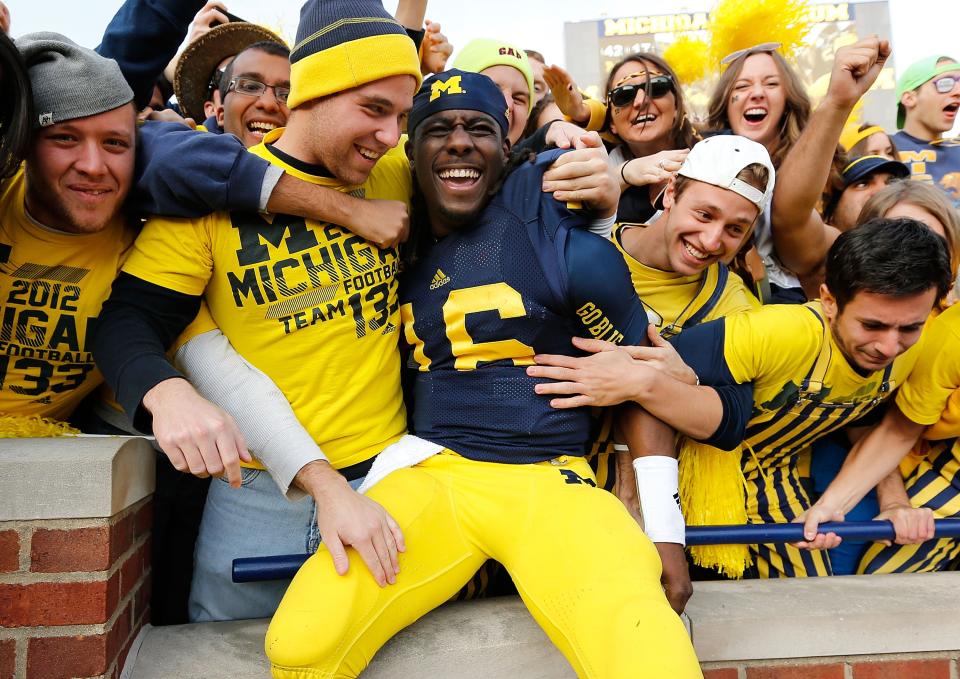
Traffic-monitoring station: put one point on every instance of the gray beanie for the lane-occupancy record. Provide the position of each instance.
(70, 81)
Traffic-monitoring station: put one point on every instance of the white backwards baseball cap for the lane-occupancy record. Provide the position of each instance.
(718, 160)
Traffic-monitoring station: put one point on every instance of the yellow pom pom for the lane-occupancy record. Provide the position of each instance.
(32, 426)
(712, 492)
(689, 58)
(740, 24)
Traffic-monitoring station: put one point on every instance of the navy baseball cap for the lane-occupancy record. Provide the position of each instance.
(867, 165)
(457, 90)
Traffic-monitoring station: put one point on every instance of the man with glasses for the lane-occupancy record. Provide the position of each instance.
(198, 76)
(254, 90)
(928, 98)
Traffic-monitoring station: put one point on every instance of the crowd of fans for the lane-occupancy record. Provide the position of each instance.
(441, 325)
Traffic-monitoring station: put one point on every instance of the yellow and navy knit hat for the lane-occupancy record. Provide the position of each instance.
(342, 44)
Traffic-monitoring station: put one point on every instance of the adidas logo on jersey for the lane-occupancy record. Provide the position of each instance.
(439, 280)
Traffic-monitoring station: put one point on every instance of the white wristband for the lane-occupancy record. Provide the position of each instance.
(658, 490)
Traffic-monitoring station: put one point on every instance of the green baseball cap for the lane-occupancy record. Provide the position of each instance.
(482, 53)
(918, 73)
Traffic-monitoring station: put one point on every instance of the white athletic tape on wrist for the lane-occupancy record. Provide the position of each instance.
(658, 490)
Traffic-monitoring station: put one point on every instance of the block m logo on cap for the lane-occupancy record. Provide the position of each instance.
(449, 86)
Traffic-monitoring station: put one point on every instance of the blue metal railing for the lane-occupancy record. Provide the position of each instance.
(284, 566)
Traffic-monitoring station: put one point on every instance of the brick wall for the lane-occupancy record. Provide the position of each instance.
(74, 593)
(944, 665)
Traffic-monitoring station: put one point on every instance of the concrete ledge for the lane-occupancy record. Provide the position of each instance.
(730, 621)
(840, 616)
(73, 477)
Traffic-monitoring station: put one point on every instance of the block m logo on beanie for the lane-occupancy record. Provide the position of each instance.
(449, 86)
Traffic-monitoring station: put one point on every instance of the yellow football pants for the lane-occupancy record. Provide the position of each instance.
(586, 572)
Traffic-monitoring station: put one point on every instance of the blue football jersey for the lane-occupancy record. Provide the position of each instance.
(483, 301)
(936, 162)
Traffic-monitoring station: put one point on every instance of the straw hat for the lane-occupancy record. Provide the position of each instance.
(198, 62)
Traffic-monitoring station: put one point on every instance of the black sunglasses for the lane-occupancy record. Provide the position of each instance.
(624, 95)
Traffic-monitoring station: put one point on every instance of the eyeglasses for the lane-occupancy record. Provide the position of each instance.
(945, 84)
(756, 49)
(626, 94)
(255, 88)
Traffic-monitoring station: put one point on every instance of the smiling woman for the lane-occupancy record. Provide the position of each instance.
(761, 97)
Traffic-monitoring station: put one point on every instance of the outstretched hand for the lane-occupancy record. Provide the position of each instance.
(653, 169)
(434, 50)
(607, 377)
(566, 94)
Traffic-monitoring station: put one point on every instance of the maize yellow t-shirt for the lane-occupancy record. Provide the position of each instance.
(925, 395)
(310, 304)
(52, 286)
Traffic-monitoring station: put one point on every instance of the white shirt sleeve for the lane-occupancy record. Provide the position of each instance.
(262, 412)
(602, 226)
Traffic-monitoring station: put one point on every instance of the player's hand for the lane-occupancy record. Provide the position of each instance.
(385, 223)
(811, 520)
(167, 115)
(197, 436)
(855, 69)
(676, 575)
(434, 50)
(584, 175)
(346, 518)
(653, 169)
(913, 525)
(565, 92)
(605, 378)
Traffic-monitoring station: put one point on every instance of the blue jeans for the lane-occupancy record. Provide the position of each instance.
(253, 520)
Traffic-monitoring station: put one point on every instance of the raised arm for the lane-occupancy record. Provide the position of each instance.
(143, 36)
(411, 13)
(800, 237)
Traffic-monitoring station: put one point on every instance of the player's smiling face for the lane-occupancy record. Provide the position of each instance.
(79, 171)
(873, 329)
(704, 225)
(758, 100)
(251, 118)
(458, 158)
